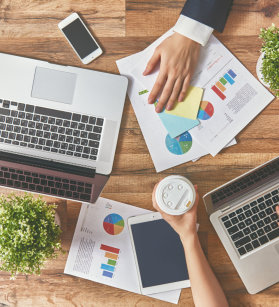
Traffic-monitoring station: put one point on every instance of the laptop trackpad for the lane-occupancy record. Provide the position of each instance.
(54, 85)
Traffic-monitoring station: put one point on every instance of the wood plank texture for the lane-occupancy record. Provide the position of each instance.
(29, 28)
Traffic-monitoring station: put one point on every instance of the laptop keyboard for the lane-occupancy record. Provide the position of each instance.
(50, 130)
(40, 183)
(254, 224)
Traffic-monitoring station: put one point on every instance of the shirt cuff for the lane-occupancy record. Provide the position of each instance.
(193, 29)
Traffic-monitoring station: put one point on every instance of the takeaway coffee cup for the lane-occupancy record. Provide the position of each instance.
(175, 195)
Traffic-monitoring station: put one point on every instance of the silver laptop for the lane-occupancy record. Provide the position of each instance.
(243, 214)
(58, 127)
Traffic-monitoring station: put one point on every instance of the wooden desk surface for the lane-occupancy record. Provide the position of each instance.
(29, 28)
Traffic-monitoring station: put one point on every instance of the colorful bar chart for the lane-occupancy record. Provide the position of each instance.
(219, 87)
(111, 255)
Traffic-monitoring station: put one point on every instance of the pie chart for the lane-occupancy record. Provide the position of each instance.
(179, 145)
(113, 224)
(206, 110)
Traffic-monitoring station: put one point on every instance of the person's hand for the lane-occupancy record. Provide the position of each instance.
(179, 56)
(185, 224)
(277, 211)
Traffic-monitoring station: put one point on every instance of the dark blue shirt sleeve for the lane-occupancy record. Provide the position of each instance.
(212, 13)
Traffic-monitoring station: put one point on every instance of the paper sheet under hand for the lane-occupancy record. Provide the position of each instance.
(189, 107)
(154, 132)
(88, 257)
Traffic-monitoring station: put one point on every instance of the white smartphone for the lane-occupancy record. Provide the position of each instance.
(79, 37)
(159, 254)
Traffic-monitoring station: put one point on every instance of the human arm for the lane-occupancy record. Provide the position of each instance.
(205, 287)
(179, 53)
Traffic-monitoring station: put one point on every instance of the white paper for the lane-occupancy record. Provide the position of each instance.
(244, 99)
(85, 256)
(152, 128)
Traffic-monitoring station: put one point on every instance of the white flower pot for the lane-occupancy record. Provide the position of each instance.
(57, 219)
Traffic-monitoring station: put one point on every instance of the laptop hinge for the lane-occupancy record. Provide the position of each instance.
(48, 164)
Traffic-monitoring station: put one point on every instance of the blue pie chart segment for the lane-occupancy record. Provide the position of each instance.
(179, 145)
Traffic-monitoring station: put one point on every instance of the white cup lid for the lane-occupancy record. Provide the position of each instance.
(175, 195)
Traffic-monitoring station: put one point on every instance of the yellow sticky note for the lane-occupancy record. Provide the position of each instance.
(189, 107)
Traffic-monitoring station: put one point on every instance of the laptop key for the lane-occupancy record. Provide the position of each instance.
(262, 214)
(260, 224)
(267, 196)
(94, 144)
(92, 120)
(242, 241)
(241, 225)
(100, 122)
(274, 217)
(232, 230)
(253, 235)
(84, 118)
(269, 202)
(273, 234)
(268, 211)
(255, 218)
(267, 228)
(255, 210)
(253, 227)
(274, 225)
(76, 117)
(248, 213)
(238, 211)
(260, 200)
(255, 243)
(246, 231)
(248, 247)
(267, 220)
(262, 206)
(241, 251)
(274, 192)
(263, 240)
(238, 235)
(248, 222)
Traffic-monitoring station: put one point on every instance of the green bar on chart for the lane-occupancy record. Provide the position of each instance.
(223, 81)
(111, 262)
(143, 92)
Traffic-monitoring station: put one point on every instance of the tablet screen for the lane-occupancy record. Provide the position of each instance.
(160, 253)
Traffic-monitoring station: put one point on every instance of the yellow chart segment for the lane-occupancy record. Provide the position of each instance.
(117, 229)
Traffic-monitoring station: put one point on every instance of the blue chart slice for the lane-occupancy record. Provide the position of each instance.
(179, 145)
(108, 219)
(116, 218)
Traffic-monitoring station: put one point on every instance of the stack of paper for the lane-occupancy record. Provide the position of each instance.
(232, 98)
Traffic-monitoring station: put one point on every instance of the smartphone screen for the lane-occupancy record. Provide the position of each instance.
(80, 39)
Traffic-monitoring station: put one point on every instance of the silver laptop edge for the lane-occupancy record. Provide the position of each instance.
(258, 268)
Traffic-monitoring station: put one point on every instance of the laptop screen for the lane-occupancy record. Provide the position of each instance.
(254, 179)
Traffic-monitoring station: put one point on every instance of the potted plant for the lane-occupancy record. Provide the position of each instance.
(268, 63)
(29, 234)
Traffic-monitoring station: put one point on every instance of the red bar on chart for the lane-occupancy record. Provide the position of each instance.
(218, 92)
(110, 249)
